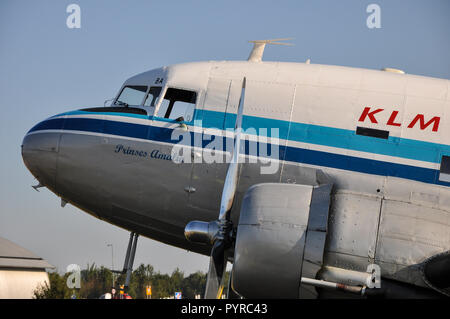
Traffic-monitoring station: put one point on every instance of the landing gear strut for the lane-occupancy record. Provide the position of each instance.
(129, 258)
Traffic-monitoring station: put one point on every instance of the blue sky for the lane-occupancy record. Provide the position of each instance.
(47, 68)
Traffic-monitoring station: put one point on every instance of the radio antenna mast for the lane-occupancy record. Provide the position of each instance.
(259, 46)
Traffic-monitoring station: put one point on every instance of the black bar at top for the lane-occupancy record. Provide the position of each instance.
(365, 131)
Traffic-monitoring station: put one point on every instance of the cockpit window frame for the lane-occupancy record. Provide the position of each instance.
(152, 111)
(163, 94)
(156, 99)
(131, 85)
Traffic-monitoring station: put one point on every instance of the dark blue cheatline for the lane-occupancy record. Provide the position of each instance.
(292, 154)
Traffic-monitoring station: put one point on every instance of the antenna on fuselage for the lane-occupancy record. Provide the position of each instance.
(259, 46)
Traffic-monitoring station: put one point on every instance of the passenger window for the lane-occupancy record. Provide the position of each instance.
(444, 172)
(178, 103)
(131, 95)
(152, 96)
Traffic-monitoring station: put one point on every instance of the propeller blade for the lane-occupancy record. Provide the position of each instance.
(222, 239)
(217, 266)
(231, 180)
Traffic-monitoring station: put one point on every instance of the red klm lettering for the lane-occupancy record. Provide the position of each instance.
(367, 113)
(391, 120)
(421, 119)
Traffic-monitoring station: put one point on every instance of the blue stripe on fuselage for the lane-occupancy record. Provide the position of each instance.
(298, 132)
(333, 137)
(314, 134)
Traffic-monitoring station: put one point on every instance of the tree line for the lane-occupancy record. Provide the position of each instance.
(96, 281)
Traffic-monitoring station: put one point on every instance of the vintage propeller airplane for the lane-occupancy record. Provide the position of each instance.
(314, 181)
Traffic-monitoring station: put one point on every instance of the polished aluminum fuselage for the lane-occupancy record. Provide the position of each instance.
(389, 206)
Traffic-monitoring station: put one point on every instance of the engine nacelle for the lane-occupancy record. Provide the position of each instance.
(280, 238)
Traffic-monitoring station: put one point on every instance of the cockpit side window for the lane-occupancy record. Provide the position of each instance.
(132, 95)
(178, 103)
(152, 96)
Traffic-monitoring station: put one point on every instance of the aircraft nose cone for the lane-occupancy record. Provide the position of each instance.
(39, 153)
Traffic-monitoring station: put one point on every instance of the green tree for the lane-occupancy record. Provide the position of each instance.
(193, 285)
(140, 279)
(176, 281)
(95, 281)
(161, 286)
(55, 289)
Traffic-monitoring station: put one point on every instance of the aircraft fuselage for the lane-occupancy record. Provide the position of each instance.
(382, 138)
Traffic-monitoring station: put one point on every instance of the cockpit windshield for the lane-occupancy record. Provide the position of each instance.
(152, 96)
(132, 95)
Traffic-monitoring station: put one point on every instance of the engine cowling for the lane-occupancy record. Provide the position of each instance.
(280, 238)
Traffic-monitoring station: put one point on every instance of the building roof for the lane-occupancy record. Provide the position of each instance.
(15, 256)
